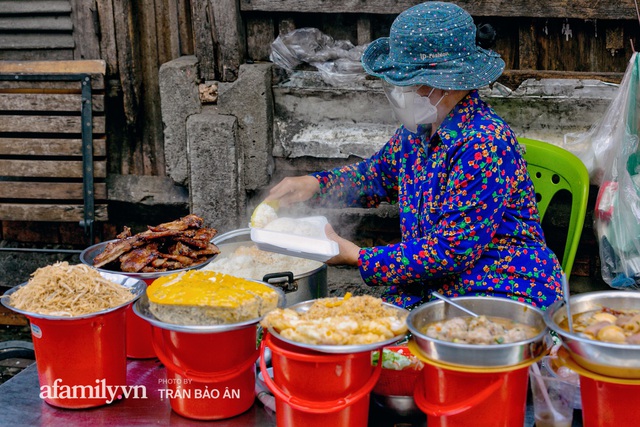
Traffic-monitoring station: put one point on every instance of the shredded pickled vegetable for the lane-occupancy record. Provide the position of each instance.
(68, 290)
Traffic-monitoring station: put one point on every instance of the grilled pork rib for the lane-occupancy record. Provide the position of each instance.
(168, 246)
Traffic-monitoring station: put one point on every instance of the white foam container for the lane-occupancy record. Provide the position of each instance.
(318, 248)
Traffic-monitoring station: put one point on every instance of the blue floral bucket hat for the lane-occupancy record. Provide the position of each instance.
(433, 44)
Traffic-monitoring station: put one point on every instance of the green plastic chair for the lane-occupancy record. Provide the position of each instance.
(553, 169)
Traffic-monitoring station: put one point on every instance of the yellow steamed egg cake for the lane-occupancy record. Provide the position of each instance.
(199, 297)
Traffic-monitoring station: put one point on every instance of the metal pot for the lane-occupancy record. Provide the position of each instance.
(610, 359)
(473, 355)
(297, 288)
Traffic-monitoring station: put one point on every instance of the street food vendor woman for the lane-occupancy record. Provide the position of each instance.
(468, 215)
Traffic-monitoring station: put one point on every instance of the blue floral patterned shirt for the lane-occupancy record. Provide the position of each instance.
(468, 216)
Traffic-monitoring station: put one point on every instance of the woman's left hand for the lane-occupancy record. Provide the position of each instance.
(349, 251)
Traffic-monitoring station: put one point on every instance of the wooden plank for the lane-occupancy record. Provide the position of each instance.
(50, 213)
(85, 31)
(528, 48)
(49, 190)
(48, 124)
(49, 168)
(286, 25)
(579, 9)
(108, 50)
(92, 66)
(167, 29)
(363, 27)
(184, 27)
(151, 121)
(229, 33)
(48, 102)
(514, 78)
(203, 38)
(260, 35)
(36, 23)
(36, 55)
(128, 69)
(49, 147)
(36, 41)
(10, 317)
(34, 7)
(11, 86)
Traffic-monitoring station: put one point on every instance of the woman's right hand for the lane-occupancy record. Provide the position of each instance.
(294, 190)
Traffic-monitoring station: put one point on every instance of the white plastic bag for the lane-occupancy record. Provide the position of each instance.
(617, 214)
(596, 146)
(337, 60)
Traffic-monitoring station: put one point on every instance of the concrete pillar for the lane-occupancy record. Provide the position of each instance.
(179, 99)
(250, 99)
(216, 188)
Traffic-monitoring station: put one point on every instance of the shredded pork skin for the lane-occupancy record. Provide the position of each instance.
(68, 290)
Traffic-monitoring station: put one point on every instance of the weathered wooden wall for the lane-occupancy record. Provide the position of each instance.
(543, 38)
(133, 37)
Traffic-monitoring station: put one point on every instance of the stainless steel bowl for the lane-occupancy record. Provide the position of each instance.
(341, 349)
(135, 286)
(404, 406)
(614, 360)
(474, 355)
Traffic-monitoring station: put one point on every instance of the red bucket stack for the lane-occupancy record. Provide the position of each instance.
(476, 385)
(81, 360)
(210, 369)
(315, 389)
(210, 376)
(455, 396)
(609, 367)
(323, 375)
(606, 401)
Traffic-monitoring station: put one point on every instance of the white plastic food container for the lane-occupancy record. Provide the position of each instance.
(300, 237)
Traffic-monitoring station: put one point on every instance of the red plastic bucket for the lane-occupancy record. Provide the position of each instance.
(210, 376)
(606, 401)
(87, 353)
(315, 389)
(81, 361)
(397, 382)
(456, 396)
(138, 335)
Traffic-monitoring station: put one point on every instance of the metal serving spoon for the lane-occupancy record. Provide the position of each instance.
(455, 304)
(566, 296)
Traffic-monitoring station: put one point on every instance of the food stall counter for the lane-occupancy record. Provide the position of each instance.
(22, 406)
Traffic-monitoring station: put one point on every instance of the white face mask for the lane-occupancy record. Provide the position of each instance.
(410, 108)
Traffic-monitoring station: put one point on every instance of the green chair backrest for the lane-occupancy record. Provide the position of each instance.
(553, 169)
